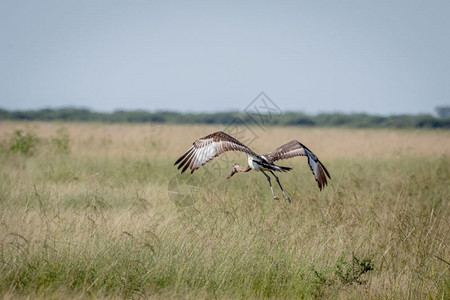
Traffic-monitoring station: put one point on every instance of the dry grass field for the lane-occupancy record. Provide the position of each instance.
(99, 210)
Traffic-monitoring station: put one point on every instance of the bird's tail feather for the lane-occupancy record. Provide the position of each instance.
(273, 167)
(284, 169)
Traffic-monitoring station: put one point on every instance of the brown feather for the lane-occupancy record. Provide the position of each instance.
(295, 148)
(288, 150)
(220, 141)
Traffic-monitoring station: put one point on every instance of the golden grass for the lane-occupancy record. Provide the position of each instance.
(100, 220)
(169, 141)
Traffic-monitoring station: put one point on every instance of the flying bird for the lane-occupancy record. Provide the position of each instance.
(214, 144)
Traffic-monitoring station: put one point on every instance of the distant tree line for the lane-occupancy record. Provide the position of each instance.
(360, 120)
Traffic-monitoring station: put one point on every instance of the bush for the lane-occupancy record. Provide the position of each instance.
(23, 142)
(351, 271)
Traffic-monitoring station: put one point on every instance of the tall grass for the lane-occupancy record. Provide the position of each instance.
(97, 214)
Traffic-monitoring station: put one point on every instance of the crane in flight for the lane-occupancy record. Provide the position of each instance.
(214, 144)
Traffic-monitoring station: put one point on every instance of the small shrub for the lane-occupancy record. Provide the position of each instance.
(351, 271)
(345, 271)
(23, 142)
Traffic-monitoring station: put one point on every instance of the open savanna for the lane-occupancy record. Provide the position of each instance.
(98, 210)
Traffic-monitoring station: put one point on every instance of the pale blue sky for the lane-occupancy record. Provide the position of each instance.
(379, 57)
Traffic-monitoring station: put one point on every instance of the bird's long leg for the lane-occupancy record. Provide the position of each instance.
(268, 179)
(278, 181)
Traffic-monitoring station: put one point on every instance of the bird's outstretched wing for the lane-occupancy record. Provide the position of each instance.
(295, 148)
(208, 147)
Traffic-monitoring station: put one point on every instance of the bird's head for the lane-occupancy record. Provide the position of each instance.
(234, 170)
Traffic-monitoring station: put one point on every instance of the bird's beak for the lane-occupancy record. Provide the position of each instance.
(231, 174)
